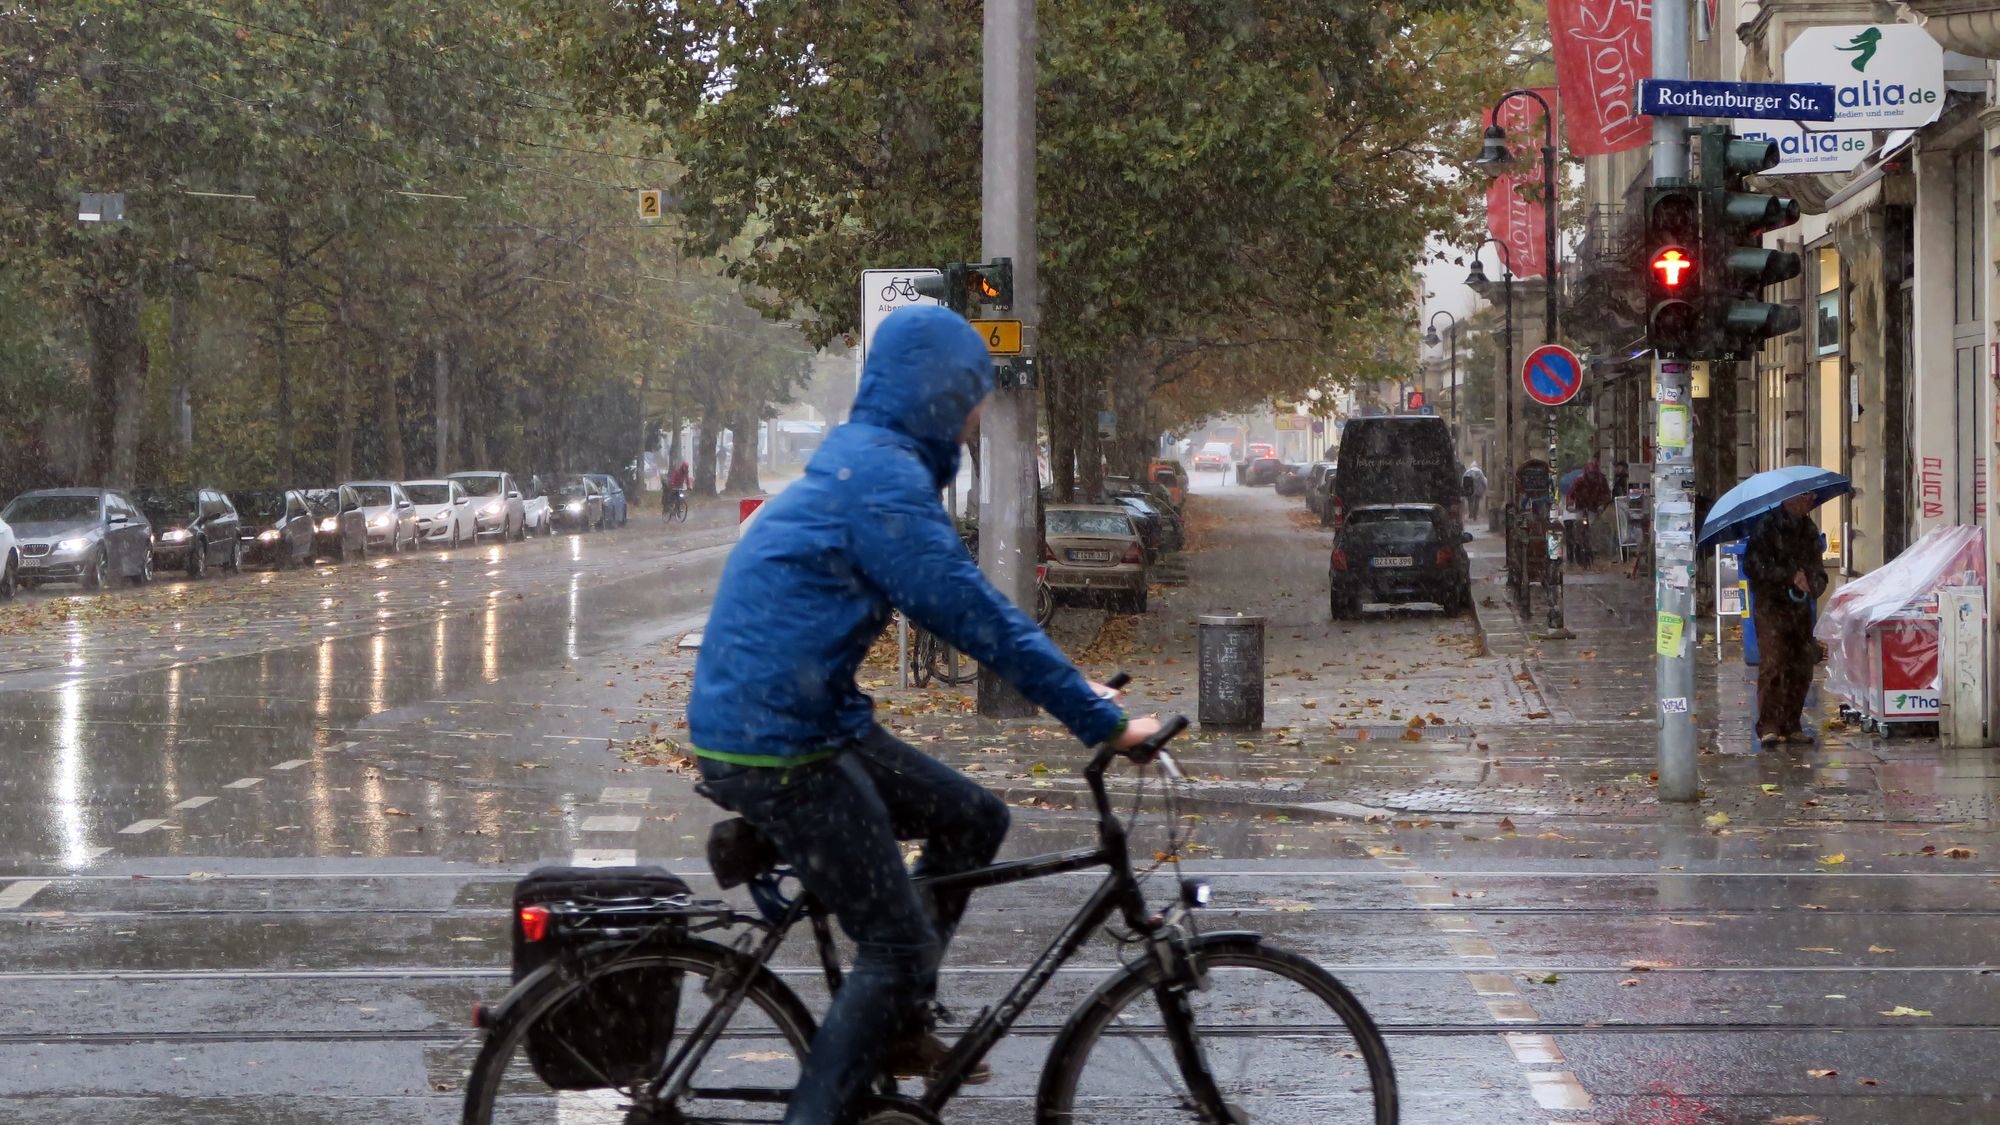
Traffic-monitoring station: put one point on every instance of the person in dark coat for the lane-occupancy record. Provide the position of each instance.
(1787, 572)
(785, 738)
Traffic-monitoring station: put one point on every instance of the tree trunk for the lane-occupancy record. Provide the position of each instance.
(344, 420)
(743, 464)
(117, 379)
(1059, 387)
(441, 389)
(704, 454)
(1089, 446)
(281, 352)
(396, 466)
(180, 357)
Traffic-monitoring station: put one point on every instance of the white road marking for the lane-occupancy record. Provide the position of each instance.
(580, 1107)
(295, 763)
(17, 894)
(140, 827)
(1557, 1090)
(603, 857)
(609, 824)
(244, 783)
(619, 795)
(97, 853)
(192, 803)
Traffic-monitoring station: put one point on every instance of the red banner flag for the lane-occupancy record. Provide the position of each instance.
(1515, 213)
(1603, 49)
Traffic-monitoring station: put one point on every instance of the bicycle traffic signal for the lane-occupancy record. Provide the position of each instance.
(1735, 317)
(966, 286)
(1673, 269)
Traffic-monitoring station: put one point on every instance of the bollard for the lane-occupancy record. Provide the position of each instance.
(1230, 651)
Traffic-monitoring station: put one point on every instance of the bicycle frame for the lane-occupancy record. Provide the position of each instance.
(1119, 893)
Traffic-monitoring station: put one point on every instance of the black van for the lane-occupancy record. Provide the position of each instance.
(1396, 459)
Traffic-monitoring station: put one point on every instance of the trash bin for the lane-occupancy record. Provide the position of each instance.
(1230, 652)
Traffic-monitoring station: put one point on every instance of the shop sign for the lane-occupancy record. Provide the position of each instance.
(1885, 76)
(1802, 152)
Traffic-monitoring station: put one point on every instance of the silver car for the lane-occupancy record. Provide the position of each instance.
(1096, 549)
(391, 514)
(497, 505)
(84, 535)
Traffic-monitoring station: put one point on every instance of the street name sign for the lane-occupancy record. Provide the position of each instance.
(1552, 374)
(1003, 337)
(1777, 101)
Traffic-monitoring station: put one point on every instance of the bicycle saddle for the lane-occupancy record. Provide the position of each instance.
(738, 853)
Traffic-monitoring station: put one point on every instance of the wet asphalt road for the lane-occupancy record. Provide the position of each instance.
(262, 876)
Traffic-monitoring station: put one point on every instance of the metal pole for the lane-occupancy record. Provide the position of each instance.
(1673, 478)
(1549, 270)
(1008, 482)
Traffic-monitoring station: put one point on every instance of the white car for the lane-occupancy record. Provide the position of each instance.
(10, 561)
(538, 519)
(444, 512)
(497, 506)
(392, 518)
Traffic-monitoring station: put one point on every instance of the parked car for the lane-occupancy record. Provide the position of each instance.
(1319, 481)
(276, 526)
(1154, 507)
(1259, 471)
(1095, 549)
(1291, 480)
(392, 518)
(579, 505)
(498, 508)
(1399, 553)
(444, 512)
(193, 529)
(340, 528)
(1214, 455)
(614, 497)
(1152, 529)
(10, 562)
(85, 535)
(538, 516)
(1396, 459)
(1170, 476)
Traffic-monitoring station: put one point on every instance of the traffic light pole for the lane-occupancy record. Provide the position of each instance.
(1009, 485)
(1673, 470)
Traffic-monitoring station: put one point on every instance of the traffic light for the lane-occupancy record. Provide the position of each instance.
(1414, 402)
(966, 286)
(1735, 317)
(1673, 269)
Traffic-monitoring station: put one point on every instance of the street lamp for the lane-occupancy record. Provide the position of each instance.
(1493, 153)
(1431, 341)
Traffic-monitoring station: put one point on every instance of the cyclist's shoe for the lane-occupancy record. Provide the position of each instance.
(923, 1056)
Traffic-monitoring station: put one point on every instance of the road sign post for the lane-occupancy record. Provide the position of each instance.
(1552, 375)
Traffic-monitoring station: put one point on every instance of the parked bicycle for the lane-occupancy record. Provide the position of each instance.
(932, 658)
(663, 1009)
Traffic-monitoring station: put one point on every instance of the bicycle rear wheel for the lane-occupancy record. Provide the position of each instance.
(743, 1075)
(1284, 1040)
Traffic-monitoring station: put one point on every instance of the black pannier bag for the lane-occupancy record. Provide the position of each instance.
(616, 1034)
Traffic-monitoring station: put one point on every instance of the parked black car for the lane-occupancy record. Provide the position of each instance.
(1291, 480)
(340, 527)
(1319, 484)
(1172, 534)
(1262, 471)
(1399, 553)
(277, 526)
(86, 535)
(578, 505)
(1397, 459)
(193, 529)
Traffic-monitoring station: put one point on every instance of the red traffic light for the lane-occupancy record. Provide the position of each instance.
(1671, 266)
(1416, 400)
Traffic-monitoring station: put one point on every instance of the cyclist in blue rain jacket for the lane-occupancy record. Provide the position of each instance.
(785, 738)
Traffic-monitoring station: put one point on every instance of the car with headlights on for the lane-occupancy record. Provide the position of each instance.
(84, 535)
(498, 508)
(276, 526)
(444, 512)
(1399, 553)
(1094, 549)
(340, 530)
(392, 518)
(193, 528)
(1215, 455)
(10, 562)
(614, 498)
(578, 505)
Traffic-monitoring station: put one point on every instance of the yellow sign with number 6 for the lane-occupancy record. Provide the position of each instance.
(1003, 337)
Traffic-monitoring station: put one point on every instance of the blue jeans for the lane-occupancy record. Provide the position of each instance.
(836, 822)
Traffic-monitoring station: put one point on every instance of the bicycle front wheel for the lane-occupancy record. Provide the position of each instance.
(1284, 1041)
(562, 1028)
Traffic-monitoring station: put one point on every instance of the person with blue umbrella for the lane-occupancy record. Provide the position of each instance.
(1785, 566)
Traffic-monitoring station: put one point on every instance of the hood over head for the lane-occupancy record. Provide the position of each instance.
(927, 368)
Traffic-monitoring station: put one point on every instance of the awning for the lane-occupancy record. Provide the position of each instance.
(1865, 189)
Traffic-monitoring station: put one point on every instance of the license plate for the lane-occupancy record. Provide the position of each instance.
(1090, 556)
(1394, 560)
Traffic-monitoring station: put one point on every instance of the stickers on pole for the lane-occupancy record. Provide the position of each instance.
(1672, 630)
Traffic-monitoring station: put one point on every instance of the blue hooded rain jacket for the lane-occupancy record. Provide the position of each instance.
(811, 584)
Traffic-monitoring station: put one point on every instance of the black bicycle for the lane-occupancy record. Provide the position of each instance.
(674, 505)
(1219, 1028)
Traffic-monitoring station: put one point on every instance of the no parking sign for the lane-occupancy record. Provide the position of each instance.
(1552, 374)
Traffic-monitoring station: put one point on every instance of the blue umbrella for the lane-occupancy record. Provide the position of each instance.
(1737, 513)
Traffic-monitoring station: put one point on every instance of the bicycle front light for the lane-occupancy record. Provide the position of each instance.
(1194, 893)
